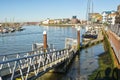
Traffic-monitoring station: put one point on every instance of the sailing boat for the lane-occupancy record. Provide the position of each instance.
(90, 32)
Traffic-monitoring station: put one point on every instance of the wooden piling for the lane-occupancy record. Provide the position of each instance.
(78, 37)
(44, 40)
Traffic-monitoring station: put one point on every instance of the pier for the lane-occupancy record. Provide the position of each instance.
(33, 64)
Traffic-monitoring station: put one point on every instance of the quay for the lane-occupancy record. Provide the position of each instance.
(114, 39)
(69, 25)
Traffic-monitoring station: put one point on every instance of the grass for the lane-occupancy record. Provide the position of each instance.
(105, 61)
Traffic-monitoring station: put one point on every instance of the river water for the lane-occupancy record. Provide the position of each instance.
(22, 41)
(83, 65)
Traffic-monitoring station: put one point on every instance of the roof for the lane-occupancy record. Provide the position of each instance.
(108, 12)
(112, 15)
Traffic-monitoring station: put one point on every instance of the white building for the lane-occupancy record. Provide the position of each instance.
(111, 18)
(46, 21)
(105, 14)
(57, 21)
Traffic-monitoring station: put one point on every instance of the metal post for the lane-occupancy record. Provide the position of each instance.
(44, 40)
(78, 37)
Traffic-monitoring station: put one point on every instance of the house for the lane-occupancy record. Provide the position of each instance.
(95, 17)
(65, 20)
(105, 14)
(57, 21)
(74, 20)
(117, 18)
(51, 21)
(111, 18)
(45, 21)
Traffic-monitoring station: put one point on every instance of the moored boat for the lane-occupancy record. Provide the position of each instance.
(90, 33)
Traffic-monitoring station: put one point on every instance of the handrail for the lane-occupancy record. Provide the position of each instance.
(20, 52)
(25, 57)
(34, 63)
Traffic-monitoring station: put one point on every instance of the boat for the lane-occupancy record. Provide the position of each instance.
(90, 36)
(5, 30)
(90, 33)
(11, 30)
(19, 29)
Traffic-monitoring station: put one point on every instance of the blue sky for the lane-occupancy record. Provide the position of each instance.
(36, 10)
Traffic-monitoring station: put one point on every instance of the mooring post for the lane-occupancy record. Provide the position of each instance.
(44, 40)
(78, 38)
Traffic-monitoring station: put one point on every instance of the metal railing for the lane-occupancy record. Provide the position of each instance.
(26, 65)
(5, 57)
(115, 29)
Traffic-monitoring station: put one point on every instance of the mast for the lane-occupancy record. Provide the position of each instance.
(89, 10)
(92, 12)
(13, 23)
(5, 22)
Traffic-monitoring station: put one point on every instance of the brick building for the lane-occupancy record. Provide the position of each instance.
(74, 20)
(117, 18)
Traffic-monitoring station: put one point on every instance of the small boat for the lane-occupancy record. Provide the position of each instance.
(89, 36)
(19, 29)
(5, 30)
(90, 33)
(11, 30)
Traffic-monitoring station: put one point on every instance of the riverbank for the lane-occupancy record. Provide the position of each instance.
(106, 63)
(61, 25)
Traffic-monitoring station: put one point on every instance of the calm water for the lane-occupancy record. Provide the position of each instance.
(84, 64)
(22, 41)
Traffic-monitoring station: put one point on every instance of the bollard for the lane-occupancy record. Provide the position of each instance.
(78, 37)
(44, 40)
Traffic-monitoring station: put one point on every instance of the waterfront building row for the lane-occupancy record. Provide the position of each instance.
(74, 20)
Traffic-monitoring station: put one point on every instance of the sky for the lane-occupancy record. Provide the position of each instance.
(37, 10)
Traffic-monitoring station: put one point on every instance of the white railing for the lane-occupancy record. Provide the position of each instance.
(34, 62)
